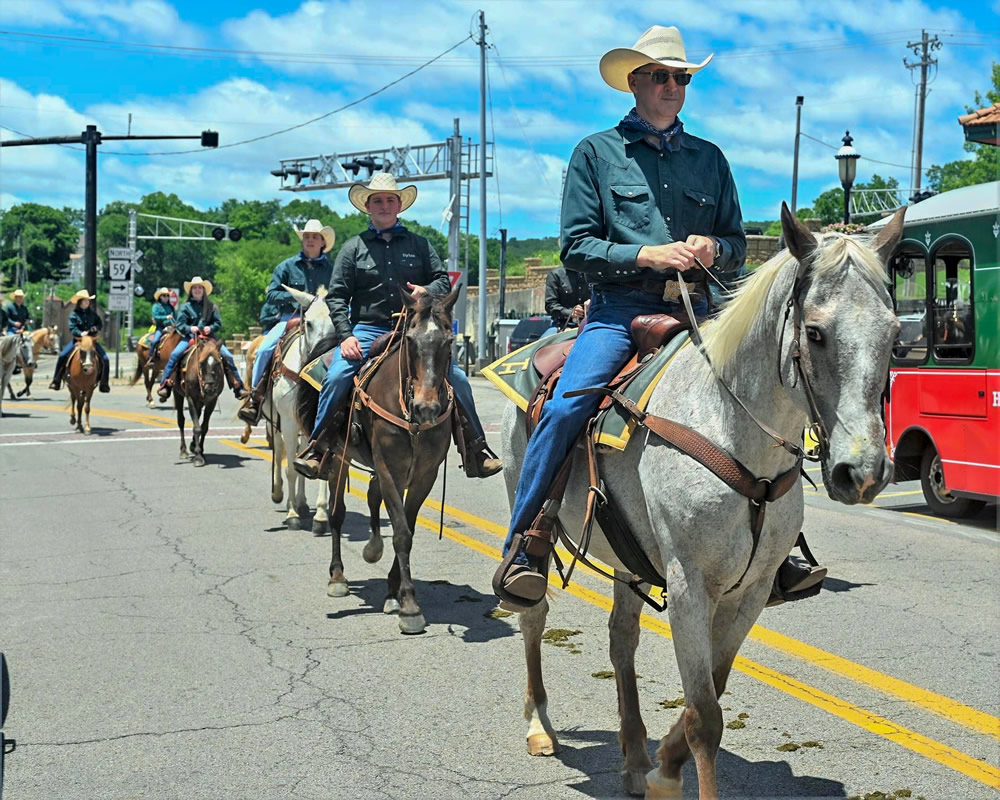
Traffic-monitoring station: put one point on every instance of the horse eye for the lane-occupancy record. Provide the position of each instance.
(814, 335)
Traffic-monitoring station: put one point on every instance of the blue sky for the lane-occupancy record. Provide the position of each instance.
(303, 59)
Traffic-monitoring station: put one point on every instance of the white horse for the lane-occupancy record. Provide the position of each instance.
(279, 408)
(13, 347)
(692, 526)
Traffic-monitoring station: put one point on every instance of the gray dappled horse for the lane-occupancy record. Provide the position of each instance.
(691, 525)
(13, 347)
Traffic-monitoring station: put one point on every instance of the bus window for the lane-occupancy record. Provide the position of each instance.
(953, 329)
(909, 297)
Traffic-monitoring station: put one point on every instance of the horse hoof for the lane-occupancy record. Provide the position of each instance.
(412, 624)
(150, 404)
(198, 461)
(635, 782)
(321, 527)
(391, 606)
(277, 497)
(541, 744)
(372, 552)
(338, 589)
(660, 788)
(293, 524)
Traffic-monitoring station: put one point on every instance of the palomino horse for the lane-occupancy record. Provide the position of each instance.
(13, 347)
(202, 378)
(47, 338)
(149, 372)
(406, 424)
(82, 372)
(827, 366)
(279, 409)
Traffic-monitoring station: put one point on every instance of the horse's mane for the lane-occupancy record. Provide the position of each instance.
(836, 251)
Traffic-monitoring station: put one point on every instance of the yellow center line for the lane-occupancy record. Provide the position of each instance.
(867, 720)
(130, 416)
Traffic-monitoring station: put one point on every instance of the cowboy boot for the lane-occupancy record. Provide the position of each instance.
(57, 376)
(477, 458)
(104, 388)
(164, 391)
(251, 410)
(309, 462)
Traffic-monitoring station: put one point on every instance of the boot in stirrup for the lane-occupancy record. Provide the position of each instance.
(309, 462)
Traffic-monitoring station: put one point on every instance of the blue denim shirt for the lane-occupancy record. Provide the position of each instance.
(622, 192)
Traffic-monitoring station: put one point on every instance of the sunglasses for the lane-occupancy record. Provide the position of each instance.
(662, 76)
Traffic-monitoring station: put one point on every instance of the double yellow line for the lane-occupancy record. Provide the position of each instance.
(944, 707)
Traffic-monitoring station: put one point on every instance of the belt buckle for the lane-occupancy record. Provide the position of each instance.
(671, 292)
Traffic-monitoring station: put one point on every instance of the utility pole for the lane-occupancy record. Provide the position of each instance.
(132, 243)
(503, 274)
(481, 332)
(921, 50)
(795, 160)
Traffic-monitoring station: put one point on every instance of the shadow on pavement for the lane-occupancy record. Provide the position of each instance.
(837, 585)
(987, 519)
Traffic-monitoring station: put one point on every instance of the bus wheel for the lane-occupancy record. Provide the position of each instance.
(940, 500)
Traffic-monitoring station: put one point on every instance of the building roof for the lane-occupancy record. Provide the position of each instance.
(982, 126)
(968, 201)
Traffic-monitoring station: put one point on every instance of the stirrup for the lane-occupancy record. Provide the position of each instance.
(477, 453)
(510, 576)
(793, 581)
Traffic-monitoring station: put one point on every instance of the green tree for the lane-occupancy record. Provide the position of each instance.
(40, 237)
(829, 206)
(242, 273)
(984, 166)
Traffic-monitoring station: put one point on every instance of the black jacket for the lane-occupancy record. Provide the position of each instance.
(564, 289)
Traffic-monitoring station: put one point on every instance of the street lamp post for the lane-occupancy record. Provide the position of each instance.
(847, 162)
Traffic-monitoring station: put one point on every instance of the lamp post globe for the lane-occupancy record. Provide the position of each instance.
(847, 163)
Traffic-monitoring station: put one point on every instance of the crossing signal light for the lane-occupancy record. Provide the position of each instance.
(209, 139)
(220, 233)
(235, 234)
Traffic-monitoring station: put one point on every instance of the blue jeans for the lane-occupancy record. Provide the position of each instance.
(182, 347)
(68, 349)
(339, 381)
(157, 335)
(266, 350)
(602, 348)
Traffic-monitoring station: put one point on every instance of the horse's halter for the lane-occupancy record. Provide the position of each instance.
(201, 373)
(406, 384)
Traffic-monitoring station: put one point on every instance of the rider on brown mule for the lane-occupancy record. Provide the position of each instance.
(364, 295)
(199, 316)
(306, 271)
(163, 318)
(84, 321)
(646, 205)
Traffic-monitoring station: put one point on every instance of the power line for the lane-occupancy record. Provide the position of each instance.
(866, 158)
(291, 127)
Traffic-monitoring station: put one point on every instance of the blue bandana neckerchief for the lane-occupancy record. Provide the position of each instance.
(312, 262)
(399, 227)
(668, 136)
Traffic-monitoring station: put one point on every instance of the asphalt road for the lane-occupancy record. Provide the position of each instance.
(168, 638)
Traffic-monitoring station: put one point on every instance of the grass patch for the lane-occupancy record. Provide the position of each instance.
(560, 637)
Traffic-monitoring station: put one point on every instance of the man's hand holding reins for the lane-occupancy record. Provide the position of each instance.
(676, 255)
(704, 248)
(416, 291)
(350, 348)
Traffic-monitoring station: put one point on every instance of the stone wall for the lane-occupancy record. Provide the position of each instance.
(761, 248)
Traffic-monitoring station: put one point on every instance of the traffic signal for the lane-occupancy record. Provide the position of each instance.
(235, 234)
(218, 234)
(209, 139)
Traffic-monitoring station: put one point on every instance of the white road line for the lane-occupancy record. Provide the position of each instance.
(96, 439)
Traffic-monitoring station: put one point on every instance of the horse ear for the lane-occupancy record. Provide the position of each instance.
(889, 236)
(801, 243)
(304, 299)
(449, 300)
(408, 299)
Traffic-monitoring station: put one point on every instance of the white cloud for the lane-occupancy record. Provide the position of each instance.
(154, 20)
(33, 13)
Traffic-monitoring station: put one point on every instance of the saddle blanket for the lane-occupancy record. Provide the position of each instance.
(515, 375)
(146, 338)
(314, 372)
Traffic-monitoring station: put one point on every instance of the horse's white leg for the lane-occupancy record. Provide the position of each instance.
(277, 444)
(541, 737)
(623, 626)
(321, 520)
(85, 409)
(296, 493)
(690, 620)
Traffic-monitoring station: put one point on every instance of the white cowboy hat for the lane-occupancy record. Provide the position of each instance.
(663, 45)
(381, 182)
(81, 295)
(198, 281)
(160, 292)
(17, 293)
(315, 226)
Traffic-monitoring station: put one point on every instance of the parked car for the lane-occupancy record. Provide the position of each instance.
(527, 330)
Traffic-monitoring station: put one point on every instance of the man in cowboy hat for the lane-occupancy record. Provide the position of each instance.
(364, 295)
(84, 321)
(644, 203)
(199, 316)
(163, 315)
(18, 317)
(306, 271)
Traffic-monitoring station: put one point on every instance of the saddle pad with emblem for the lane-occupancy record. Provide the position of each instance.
(515, 375)
(314, 372)
(146, 338)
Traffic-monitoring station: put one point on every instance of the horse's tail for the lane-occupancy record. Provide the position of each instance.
(140, 367)
(307, 397)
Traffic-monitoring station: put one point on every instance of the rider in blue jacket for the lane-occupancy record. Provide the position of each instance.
(84, 321)
(199, 315)
(163, 315)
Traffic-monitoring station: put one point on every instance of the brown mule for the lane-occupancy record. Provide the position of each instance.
(47, 338)
(201, 378)
(82, 372)
(148, 370)
(406, 430)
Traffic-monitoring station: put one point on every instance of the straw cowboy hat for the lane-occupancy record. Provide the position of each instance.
(160, 292)
(663, 45)
(381, 182)
(197, 281)
(82, 295)
(315, 226)
(17, 293)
